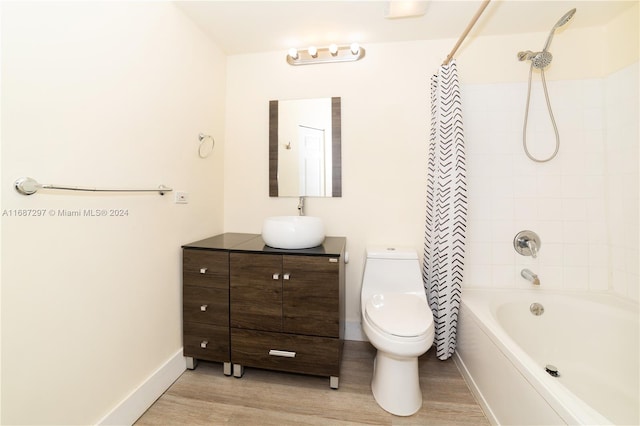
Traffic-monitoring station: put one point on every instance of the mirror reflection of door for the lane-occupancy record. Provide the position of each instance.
(312, 161)
(322, 170)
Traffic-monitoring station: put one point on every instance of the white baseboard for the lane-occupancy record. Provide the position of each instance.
(135, 404)
(353, 331)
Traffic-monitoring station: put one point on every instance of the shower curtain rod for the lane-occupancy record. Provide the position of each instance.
(483, 6)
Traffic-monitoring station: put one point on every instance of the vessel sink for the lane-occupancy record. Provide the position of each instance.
(293, 232)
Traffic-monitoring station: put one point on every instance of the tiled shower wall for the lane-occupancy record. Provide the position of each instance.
(583, 203)
(622, 112)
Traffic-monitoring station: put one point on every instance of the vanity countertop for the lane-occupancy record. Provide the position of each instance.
(331, 246)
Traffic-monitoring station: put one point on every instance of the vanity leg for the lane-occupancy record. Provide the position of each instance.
(333, 382)
(226, 368)
(192, 363)
(238, 370)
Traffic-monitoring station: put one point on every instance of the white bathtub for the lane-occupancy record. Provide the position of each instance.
(592, 338)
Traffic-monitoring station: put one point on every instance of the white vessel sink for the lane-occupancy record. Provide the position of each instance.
(293, 232)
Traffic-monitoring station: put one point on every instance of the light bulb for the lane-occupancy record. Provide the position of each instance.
(355, 48)
(333, 49)
(293, 52)
(313, 51)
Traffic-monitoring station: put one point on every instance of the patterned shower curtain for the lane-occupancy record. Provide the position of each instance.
(446, 216)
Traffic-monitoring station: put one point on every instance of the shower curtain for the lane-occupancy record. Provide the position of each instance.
(446, 215)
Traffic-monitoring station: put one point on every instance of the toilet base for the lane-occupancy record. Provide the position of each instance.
(396, 384)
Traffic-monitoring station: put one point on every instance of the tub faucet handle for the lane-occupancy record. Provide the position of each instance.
(527, 243)
(533, 248)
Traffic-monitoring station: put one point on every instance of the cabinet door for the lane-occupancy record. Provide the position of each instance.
(256, 291)
(311, 295)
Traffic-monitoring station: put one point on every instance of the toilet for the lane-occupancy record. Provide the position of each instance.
(398, 322)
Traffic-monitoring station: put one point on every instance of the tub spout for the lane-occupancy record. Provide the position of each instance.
(530, 276)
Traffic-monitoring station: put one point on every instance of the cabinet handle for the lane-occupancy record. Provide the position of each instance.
(286, 354)
(286, 276)
(276, 276)
(203, 308)
(204, 344)
(203, 270)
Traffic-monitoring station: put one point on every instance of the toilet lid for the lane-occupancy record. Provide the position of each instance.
(399, 314)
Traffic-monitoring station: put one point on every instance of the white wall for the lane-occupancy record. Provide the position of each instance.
(105, 95)
(385, 119)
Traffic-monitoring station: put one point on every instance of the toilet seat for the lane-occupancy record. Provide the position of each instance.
(399, 314)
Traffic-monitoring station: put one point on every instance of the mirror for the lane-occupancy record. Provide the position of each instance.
(305, 157)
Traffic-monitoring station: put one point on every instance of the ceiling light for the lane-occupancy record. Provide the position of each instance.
(405, 8)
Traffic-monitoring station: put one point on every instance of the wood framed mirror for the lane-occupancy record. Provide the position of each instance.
(305, 148)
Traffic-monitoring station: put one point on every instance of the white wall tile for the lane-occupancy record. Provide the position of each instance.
(583, 203)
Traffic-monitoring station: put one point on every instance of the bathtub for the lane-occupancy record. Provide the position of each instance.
(592, 339)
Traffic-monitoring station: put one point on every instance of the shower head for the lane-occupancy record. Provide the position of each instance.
(565, 18)
(539, 60)
(562, 21)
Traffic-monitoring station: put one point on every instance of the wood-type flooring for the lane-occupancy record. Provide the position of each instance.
(205, 396)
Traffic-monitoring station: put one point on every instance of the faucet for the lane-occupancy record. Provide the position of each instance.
(530, 276)
(527, 243)
(301, 207)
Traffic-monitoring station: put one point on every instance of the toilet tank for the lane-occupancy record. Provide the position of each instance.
(391, 269)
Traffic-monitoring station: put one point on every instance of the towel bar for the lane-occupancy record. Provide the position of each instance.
(29, 186)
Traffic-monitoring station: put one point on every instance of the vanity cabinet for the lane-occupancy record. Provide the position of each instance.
(247, 304)
(287, 313)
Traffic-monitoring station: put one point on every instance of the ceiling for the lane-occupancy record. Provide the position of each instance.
(241, 26)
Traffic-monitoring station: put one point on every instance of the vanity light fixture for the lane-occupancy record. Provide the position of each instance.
(323, 55)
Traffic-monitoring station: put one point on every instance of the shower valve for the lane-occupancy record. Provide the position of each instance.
(527, 243)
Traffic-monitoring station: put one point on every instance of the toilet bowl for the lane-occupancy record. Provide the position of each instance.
(398, 322)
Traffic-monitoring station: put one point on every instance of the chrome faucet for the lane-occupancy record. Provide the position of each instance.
(527, 243)
(530, 276)
(301, 207)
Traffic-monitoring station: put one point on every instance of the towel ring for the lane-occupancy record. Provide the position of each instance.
(206, 145)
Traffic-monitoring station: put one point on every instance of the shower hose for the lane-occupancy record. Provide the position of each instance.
(526, 117)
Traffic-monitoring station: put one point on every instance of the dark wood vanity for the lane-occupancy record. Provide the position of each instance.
(246, 304)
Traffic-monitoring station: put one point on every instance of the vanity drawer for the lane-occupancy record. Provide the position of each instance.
(205, 268)
(207, 342)
(205, 305)
(286, 352)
